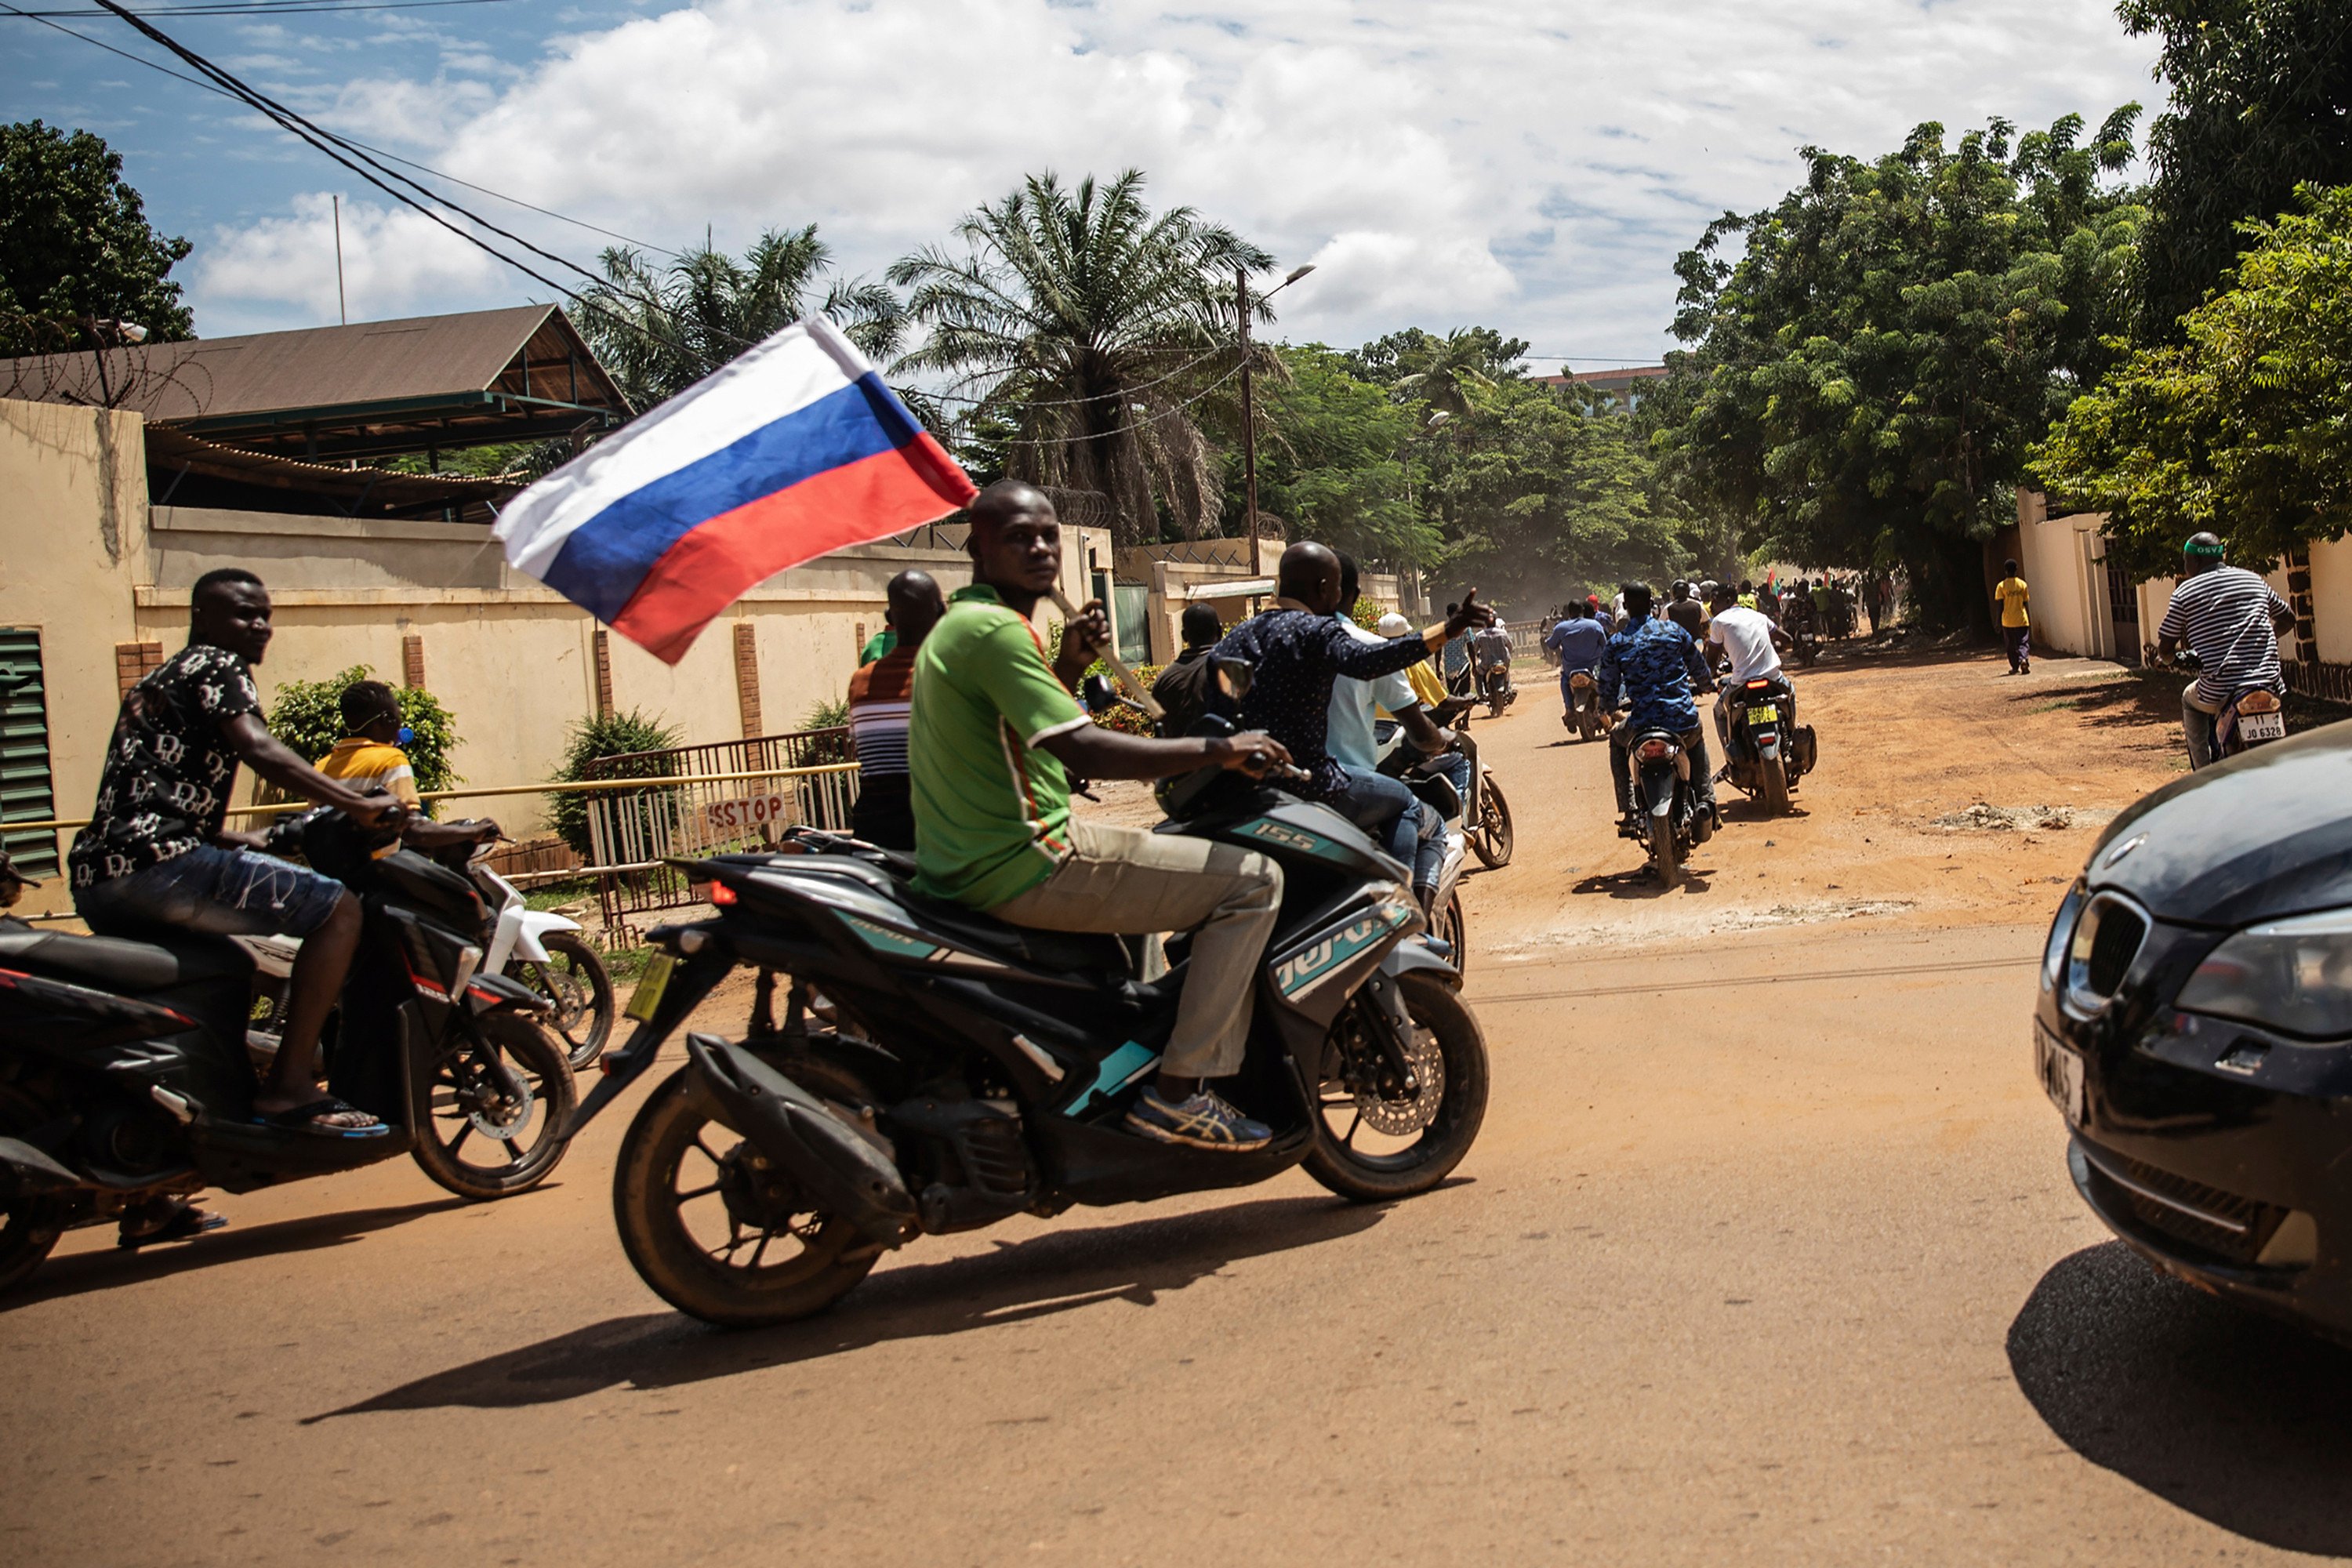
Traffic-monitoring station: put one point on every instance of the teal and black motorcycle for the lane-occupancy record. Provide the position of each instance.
(934, 1071)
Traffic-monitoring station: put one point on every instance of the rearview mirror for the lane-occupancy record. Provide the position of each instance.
(1234, 675)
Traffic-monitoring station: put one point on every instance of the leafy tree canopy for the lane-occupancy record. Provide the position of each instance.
(1863, 380)
(308, 716)
(76, 251)
(2262, 101)
(1096, 329)
(1330, 461)
(660, 330)
(2240, 428)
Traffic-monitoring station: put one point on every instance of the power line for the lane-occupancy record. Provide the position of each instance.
(259, 7)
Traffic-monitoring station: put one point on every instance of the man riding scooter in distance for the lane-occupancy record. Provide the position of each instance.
(2230, 618)
(1660, 667)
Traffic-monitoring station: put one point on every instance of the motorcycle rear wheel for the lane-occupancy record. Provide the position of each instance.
(679, 1154)
(1665, 854)
(455, 1096)
(1776, 787)
(1492, 841)
(1446, 1033)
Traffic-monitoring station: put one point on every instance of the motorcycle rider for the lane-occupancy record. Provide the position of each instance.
(991, 729)
(1183, 689)
(1490, 649)
(1661, 668)
(1685, 611)
(1455, 751)
(1297, 649)
(1754, 646)
(155, 852)
(1579, 643)
(2230, 618)
(1348, 732)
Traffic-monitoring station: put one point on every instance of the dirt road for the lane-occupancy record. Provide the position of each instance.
(1767, 1254)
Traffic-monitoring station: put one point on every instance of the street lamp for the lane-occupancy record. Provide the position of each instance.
(1249, 409)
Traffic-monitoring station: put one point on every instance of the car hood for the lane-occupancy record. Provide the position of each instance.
(2266, 835)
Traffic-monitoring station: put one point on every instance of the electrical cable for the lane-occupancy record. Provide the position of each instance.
(264, 7)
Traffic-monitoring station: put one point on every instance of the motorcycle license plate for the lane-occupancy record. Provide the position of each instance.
(2062, 1073)
(2263, 726)
(1763, 713)
(648, 994)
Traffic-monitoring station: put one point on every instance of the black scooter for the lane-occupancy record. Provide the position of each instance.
(125, 1080)
(1768, 750)
(1667, 802)
(937, 1070)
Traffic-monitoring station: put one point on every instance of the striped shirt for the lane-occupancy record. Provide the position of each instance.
(880, 699)
(2223, 617)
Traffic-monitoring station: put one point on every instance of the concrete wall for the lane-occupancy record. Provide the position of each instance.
(86, 560)
(2331, 599)
(2063, 561)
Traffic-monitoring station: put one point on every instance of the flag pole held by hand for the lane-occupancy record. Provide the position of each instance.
(1127, 678)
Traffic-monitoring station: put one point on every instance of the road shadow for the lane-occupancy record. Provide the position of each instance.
(85, 1272)
(2234, 1418)
(1640, 884)
(1056, 1272)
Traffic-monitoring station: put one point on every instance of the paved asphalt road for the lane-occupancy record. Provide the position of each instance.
(1767, 1255)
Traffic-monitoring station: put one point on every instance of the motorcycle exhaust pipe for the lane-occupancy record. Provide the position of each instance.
(839, 1170)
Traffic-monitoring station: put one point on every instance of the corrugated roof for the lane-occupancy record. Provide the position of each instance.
(367, 362)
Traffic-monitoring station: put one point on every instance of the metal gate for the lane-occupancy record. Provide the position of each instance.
(717, 799)
(2123, 607)
(25, 792)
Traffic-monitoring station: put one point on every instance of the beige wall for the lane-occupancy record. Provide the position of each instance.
(2331, 599)
(2063, 560)
(86, 560)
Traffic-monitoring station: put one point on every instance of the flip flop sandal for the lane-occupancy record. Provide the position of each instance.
(188, 1221)
(305, 1119)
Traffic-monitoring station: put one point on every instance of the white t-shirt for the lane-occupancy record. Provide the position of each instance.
(1348, 734)
(1746, 637)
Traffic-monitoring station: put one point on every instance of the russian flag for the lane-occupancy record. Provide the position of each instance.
(791, 451)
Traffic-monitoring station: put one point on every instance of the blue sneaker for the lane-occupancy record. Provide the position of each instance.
(1202, 1121)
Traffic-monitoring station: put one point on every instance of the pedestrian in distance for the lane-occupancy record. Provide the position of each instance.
(2016, 622)
(881, 702)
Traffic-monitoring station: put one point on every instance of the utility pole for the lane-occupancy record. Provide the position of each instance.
(1249, 412)
(341, 309)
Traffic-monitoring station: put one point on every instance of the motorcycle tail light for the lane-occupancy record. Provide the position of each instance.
(721, 893)
(1759, 686)
(2258, 702)
(1655, 751)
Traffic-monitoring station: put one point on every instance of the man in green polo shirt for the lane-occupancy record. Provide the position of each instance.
(993, 725)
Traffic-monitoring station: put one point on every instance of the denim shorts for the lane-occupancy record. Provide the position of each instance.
(224, 892)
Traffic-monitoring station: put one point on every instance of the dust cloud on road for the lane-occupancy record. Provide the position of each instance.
(1767, 1253)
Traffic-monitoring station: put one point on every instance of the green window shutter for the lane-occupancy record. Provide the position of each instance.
(25, 793)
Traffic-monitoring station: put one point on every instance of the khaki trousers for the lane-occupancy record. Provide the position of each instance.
(1134, 883)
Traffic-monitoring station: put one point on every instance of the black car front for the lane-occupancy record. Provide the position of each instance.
(2194, 1026)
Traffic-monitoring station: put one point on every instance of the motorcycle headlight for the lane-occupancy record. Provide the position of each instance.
(2293, 975)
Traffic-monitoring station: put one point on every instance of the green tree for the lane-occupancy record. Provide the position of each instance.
(1092, 330)
(1330, 462)
(660, 330)
(2261, 102)
(78, 260)
(2239, 428)
(1865, 379)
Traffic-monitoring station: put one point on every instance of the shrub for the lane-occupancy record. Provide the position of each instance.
(1120, 716)
(307, 715)
(1368, 612)
(827, 715)
(592, 740)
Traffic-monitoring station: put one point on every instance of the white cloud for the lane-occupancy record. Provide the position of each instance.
(396, 262)
(1534, 167)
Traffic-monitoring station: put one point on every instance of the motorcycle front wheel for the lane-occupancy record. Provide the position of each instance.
(487, 1127)
(574, 981)
(716, 1231)
(28, 1229)
(1492, 841)
(1369, 1149)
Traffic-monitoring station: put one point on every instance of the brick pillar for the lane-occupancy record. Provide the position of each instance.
(747, 676)
(861, 641)
(411, 661)
(133, 660)
(604, 673)
(2298, 598)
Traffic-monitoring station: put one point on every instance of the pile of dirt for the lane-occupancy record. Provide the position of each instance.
(1983, 818)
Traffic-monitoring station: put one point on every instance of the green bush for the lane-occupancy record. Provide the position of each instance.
(306, 716)
(593, 739)
(1368, 612)
(827, 715)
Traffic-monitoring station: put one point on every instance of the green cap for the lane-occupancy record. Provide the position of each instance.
(2202, 544)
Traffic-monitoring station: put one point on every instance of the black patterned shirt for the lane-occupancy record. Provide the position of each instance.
(1297, 654)
(169, 766)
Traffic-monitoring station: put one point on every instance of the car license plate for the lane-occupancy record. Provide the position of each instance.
(648, 994)
(2263, 726)
(1763, 713)
(2062, 1073)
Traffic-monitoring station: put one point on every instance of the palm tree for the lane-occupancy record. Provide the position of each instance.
(1094, 329)
(1438, 371)
(659, 331)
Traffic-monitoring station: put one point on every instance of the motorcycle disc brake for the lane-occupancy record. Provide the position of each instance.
(481, 1108)
(1408, 1114)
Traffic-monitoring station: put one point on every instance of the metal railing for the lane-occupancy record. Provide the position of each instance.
(699, 801)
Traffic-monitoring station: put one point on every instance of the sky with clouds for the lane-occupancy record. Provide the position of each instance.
(1532, 166)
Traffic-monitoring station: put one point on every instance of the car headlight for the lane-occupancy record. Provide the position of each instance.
(2062, 931)
(2293, 975)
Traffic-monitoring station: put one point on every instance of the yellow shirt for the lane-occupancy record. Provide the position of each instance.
(365, 764)
(2012, 595)
(1426, 683)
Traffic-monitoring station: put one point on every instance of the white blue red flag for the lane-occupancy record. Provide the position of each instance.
(794, 449)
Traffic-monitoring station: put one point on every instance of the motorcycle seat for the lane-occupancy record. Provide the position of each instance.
(117, 963)
(1060, 950)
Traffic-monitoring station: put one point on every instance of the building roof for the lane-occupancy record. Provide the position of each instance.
(1618, 379)
(370, 388)
(183, 471)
